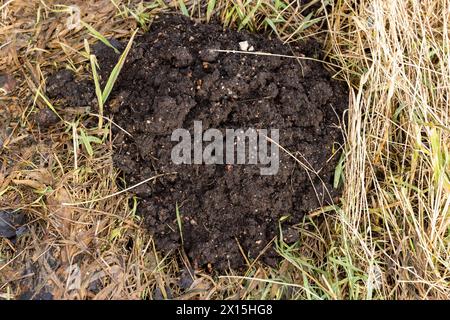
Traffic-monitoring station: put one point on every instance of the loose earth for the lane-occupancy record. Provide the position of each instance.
(222, 215)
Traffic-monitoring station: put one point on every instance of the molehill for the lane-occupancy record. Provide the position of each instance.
(172, 78)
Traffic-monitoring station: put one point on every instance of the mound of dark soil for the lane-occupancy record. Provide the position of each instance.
(172, 79)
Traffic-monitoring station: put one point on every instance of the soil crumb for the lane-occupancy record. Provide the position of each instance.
(172, 78)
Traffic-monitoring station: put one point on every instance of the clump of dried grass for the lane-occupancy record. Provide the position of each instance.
(394, 223)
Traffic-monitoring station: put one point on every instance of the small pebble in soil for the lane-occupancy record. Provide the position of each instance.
(7, 83)
(10, 223)
(45, 118)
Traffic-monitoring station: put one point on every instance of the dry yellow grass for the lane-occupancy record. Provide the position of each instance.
(389, 236)
(395, 217)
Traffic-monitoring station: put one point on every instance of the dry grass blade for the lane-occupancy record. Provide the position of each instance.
(118, 192)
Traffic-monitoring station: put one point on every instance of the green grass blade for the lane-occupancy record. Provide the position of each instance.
(209, 9)
(271, 24)
(99, 36)
(86, 143)
(98, 89)
(250, 15)
(116, 71)
(47, 102)
(338, 172)
(183, 8)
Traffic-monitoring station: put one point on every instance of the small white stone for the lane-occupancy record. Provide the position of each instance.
(251, 49)
(243, 45)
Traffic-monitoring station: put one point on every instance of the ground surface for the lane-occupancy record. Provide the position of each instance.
(171, 79)
(387, 237)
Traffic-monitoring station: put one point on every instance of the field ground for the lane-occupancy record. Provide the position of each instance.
(387, 238)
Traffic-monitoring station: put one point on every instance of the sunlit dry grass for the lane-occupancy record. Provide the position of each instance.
(395, 214)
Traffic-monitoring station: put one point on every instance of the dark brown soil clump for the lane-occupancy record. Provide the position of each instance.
(172, 79)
